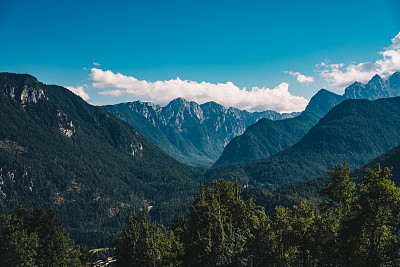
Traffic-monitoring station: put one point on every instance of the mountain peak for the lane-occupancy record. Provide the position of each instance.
(323, 100)
(376, 78)
(374, 89)
(178, 100)
(18, 79)
(23, 88)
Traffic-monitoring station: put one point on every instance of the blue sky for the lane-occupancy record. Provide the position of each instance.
(246, 43)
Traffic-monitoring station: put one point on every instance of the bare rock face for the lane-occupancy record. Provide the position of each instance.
(24, 90)
(30, 94)
(66, 126)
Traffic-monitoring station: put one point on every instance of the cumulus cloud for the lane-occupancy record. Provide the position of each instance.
(300, 77)
(226, 94)
(96, 64)
(80, 91)
(340, 76)
(395, 42)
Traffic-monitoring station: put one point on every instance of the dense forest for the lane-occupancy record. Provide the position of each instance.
(357, 224)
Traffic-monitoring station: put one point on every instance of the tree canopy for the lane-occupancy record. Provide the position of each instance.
(358, 225)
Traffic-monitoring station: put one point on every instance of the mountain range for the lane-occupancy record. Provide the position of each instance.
(93, 168)
(355, 131)
(266, 138)
(191, 133)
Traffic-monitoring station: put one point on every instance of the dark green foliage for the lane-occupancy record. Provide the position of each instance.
(368, 217)
(355, 131)
(36, 239)
(221, 227)
(18, 247)
(87, 258)
(288, 195)
(220, 231)
(357, 224)
(145, 244)
(389, 159)
(92, 177)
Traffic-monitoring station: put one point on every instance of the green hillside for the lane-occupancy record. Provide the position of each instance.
(266, 138)
(292, 194)
(58, 151)
(355, 130)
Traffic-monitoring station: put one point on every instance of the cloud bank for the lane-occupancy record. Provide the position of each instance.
(340, 76)
(226, 94)
(300, 77)
(80, 91)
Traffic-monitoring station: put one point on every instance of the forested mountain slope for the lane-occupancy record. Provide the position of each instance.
(355, 131)
(266, 138)
(292, 194)
(58, 151)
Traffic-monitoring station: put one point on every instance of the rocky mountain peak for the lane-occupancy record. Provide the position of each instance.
(376, 78)
(178, 103)
(394, 83)
(194, 133)
(23, 88)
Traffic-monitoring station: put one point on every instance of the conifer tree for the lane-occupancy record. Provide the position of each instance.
(221, 227)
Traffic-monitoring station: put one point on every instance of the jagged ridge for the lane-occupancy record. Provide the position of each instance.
(192, 133)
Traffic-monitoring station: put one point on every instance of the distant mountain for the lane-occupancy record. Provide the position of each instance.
(93, 168)
(266, 138)
(355, 131)
(191, 133)
(375, 88)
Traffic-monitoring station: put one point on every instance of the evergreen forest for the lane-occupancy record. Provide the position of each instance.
(356, 223)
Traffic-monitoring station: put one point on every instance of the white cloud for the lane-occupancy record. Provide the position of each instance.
(80, 91)
(362, 72)
(395, 42)
(226, 94)
(96, 64)
(300, 77)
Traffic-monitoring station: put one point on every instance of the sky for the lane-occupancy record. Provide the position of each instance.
(253, 55)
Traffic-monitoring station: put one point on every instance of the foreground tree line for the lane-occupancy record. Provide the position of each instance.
(357, 225)
(37, 238)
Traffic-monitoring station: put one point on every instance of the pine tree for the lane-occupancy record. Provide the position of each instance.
(144, 244)
(221, 227)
